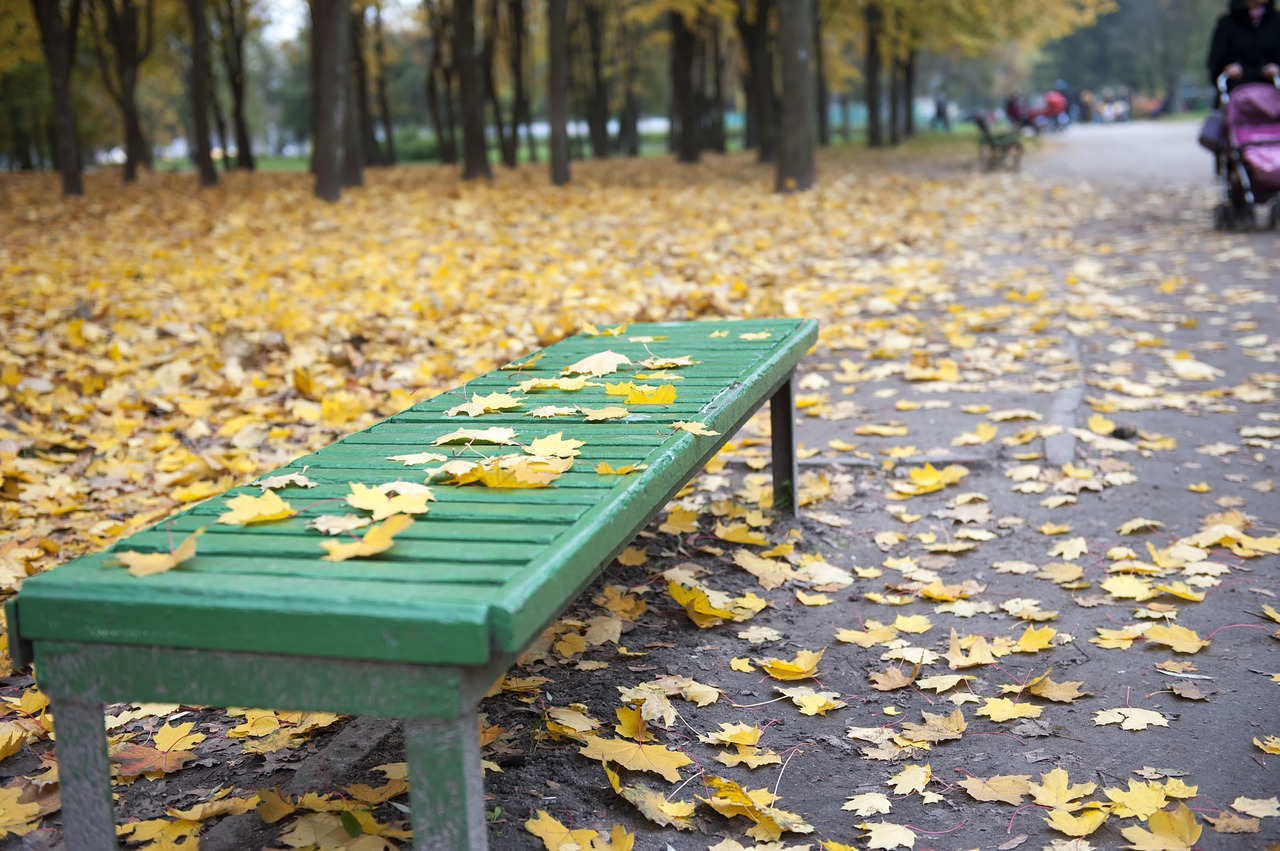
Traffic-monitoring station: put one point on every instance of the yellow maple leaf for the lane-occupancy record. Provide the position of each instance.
(556, 446)
(1170, 831)
(883, 834)
(555, 836)
(247, 509)
(1098, 424)
(809, 701)
(492, 403)
(1138, 524)
(802, 667)
(680, 521)
(377, 540)
(699, 429)
(148, 564)
(1129, 718)
(1003, 709)
(604, 468)
(1179, 639)
(495, 436)
(1056, 791)
(1008, 788)
(1082, 825)
(566, 385)
(1271, 744)
(1054, 529)
(595, 415)
(911, 779)
(662, 395)
(656, 759)
(601, 363)
(1034, 640)
(1140, 800)
(698, 606)
(1070, 549)
(382, 505)
(740, 533)
(17, 818)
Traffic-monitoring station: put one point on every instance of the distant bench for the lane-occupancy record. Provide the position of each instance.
(421, 630)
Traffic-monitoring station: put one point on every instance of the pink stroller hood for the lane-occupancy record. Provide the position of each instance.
(1253, 122)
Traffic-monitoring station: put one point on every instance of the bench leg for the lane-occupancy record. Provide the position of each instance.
(786, 475)
(446, 785)
(84, 776)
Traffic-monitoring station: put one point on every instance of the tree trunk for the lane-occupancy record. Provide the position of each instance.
(629, 120)
(598, 97)
(200, 91)
(909, 95)
(522, 114)
(359, 73)
(875, 127)
(820, 70)
(471, 91)
(795, 144)
(384, 105)
(751, 123)
(450, 144)
(58, 40)
(219, 118)
(507, 140)
(754, 31)
(558, 89)
(716, 139)
(440, 75)
(683, 93)
(233, 25)
(131, 40)
(895, 102)
(353, 161)
(329, 39)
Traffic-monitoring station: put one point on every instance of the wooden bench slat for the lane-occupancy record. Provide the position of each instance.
(543, 532)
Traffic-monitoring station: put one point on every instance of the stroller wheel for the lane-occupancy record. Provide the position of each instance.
(1245, 218)
(1273, 215)
(1224, 217)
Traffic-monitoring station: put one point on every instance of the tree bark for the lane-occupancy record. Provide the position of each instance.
(384, 104)
(683, 93)
(219, 118)
(58, 40)
(200, 91)
(895, 102)
(471, 91)
(753, 28)
(329, 40)
(440, 74)
(233, 26)
(871, 76)
(523, 114)
(629, 120)
(714, 74)
(909, 95)
(359, 73)
(131, 40)
(508, 140)
(598, 97)
(558, 89)
(820, 70)
(795, 143)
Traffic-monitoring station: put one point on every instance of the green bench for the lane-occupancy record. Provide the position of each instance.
(418, 632)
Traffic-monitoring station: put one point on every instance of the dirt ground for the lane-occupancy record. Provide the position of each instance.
(1127, 286)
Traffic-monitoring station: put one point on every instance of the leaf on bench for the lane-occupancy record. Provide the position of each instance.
(601, 363)
(378, 539)
(699, 429)
(595, 415)
(149, 564)
(378, 501)
(336, 524)
(568, 385)
(662, 395)
(246, 509)
(556, 445)
(415, 458)
(546, 412)
(604, 468)
(496, 436)
(493, 403)
(668, 363)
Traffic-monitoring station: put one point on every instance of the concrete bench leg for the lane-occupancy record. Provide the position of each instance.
(85, 776)
(446, 785)
(786, 475)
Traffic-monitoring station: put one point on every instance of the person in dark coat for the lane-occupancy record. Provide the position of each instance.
(1246, 43)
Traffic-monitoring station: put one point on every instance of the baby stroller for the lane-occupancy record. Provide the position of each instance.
(1249, 155)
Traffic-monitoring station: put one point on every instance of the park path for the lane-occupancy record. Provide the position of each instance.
(1122, 158)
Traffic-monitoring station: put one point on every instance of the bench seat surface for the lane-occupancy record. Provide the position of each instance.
(474, 579)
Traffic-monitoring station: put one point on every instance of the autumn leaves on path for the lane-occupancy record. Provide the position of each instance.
(963, 643)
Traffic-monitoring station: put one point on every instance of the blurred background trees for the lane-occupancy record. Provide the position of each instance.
(85, 83)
